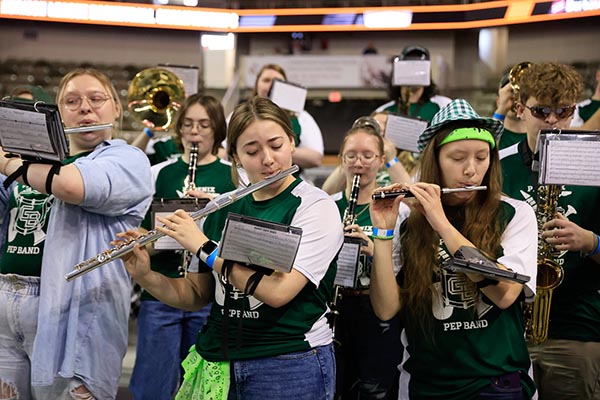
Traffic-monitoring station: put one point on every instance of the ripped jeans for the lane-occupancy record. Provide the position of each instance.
(19, 299)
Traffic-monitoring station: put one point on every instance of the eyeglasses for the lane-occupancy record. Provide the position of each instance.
(366, 159)
(189, 124)
(542, 112)
(95, 101)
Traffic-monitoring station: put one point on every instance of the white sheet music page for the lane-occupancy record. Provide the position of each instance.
(288, 95)
(24, 130)
(404, 132)
(259, 245)
(347, 262)
(572, 162)
(412, 73)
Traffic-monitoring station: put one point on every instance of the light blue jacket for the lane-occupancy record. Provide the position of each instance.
(82, 325)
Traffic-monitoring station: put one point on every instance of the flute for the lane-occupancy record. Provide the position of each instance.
(406, 193)
(87, 128)
(215, 204)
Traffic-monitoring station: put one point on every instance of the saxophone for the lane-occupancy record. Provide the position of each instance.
(189, 184)
(549, 273)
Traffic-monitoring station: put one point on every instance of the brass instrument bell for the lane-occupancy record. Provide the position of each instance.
(154, 96)
(514, 76)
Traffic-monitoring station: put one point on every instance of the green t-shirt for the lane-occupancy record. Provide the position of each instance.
(588, 110)
(424, 111)
(253, 328)
(470, 339)
(575, 310)
(509, 138)
(28, 221)
(161, 150)
(213, 178)
(27, 225)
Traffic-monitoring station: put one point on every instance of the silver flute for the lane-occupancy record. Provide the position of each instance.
(406, 193)
(88, 128)
(217, 203)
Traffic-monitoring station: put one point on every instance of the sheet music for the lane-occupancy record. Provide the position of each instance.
(572, 162)
(347, 263)
(412, 73)
(259, 245)
(164, 207)
(288, 95)
(188, 75)
(404, 132)
(22, 129)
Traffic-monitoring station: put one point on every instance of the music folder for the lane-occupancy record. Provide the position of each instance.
(33, 130)
(404, 132)
(568, 157)
(164, 207)
(287, 95)
(471, 260)
(254, 241)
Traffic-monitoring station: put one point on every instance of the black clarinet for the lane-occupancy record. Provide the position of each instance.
(349, 219)
(189, 184)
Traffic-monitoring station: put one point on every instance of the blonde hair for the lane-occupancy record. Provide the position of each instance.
(274, 67)
(104, 81)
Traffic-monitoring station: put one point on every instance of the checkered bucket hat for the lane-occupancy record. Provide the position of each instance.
(457, 110)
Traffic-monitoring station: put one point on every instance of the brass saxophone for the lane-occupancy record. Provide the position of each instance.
(189, 184)
(549, 273)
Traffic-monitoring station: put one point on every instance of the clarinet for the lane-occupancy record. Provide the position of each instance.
(189, 184)
(215, 204)
(349, 213)
(349, 219)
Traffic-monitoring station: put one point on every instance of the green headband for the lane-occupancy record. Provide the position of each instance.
(469, 134)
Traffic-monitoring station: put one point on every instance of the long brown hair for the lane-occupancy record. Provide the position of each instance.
(478, 221)
(256, 109)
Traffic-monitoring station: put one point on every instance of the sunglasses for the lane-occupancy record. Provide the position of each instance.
(542, 112)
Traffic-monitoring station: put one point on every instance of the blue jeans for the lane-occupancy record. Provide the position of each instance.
(165, 335)
(19, 300)
(506, 387)
(308, 375)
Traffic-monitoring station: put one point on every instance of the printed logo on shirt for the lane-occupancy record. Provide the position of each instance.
(29, 215)
(239, 298)
(206, 189)
(454, 291)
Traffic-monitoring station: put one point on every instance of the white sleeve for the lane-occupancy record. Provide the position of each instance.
(519, 244)
(322, 238)
(403, 214)
(310, 135)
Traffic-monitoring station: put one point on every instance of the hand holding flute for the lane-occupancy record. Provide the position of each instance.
(391, 194)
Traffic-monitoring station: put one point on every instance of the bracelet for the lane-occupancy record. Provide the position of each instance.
(394, 161)
(212, 257)
(597, 250)
(499, 117)
(148, 133)
(382, 234)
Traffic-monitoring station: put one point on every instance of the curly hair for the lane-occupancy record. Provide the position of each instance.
(558, 84)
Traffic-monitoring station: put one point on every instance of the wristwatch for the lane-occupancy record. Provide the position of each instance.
(206, 250)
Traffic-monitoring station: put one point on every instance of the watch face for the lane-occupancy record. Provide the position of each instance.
(207, 249)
